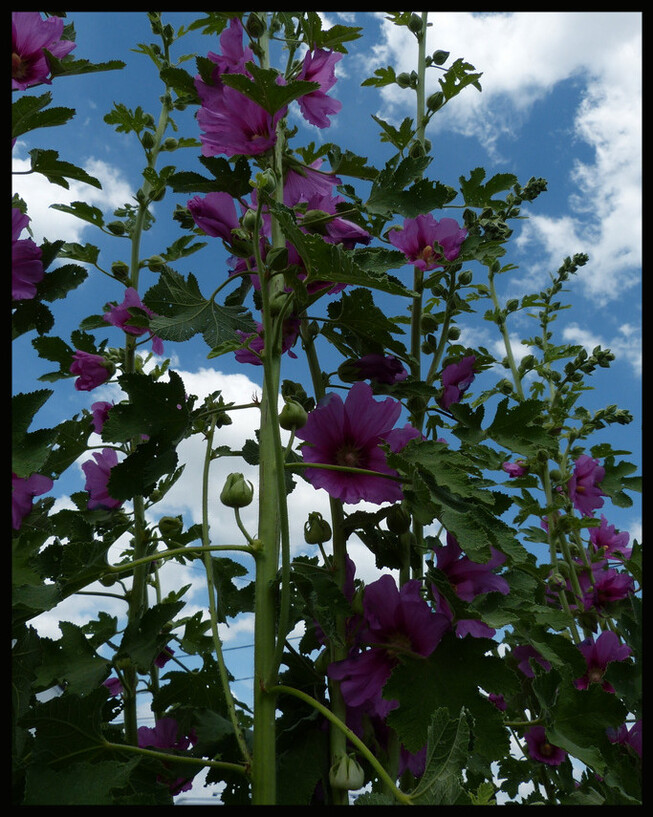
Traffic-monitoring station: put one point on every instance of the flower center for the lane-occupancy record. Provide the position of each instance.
(429, 255)
(546, 749)
(594, 675)
(348, 455)
(18, 67)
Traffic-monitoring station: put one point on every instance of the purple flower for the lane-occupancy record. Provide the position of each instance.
(302, 182)
(456, 379)
(376, 368)
(319, 66)
(30, 35)
(93, 370)
(336, 230)
(26, 264)
(464, 626)
(100, 412)
(233, 124)
(498, 701)
(97, 478)
(606, 538)
(351, 434)
(251, 354)
(234, 56)
(126, 317)
(163, 657)
(604, 586)
(515, 469)
(165, 736)
(396, 622)
(215, 214)
(628, 737)
(469, 578)
(23, 491)
(540, 749)
(420, 236)
(114, 685)
(523, 654)
(583, 485)
(598, 654)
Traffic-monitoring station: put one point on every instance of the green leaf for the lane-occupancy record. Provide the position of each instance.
(234, 181)
(382, 77)
(446, 756)
(31, 112)
(231, 600)
(80, 784)
(389, 194)
(72, 661)
(358, 326)
(514, 428)
(458, 76)
(47, 163)
(264, 89)
(125, 119)
(86, 212)
(182, 312)
(477, 194)
(144, 639)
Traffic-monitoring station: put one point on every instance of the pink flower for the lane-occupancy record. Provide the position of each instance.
(523, 654)
(456, 379)
(26, 264)
(351, 434)
(302, 182)
(234, 56)
(165, 735)
(598, 654)
(540, 749)
(628, 737)
(515, 469)
(100, 412)
(420, 237)
(126, 317)
(583, 485)
(163, 657)
(469, 578)
(97, 479)
(319, 66)
(605, 586)
(215, 214)
(464, 626)
(396, 622)
(93, 370)
(30, 35)
(606, 538)
(376, 368)
(251, 354)
(114, 685)
(23, 491)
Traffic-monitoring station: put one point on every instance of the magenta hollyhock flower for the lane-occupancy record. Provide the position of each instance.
(583, 485)
(464, 626)
(97, 478)
(498, 700)
(515, 469)
(598, 654)
(351, 434)
(100, 412)
(376, 368)
(335, 230)
(317, 106)
(469, 579)
(302, 182)
(628, 737)
(523, 654)
(163, 657)
(605, 586)
(114, 685)
(26, 263)
(456, 379)
(23, 491)
(93, 370)
(121, 315)
(420, 237)
(251, 354)
(215, 214)
(234, 55)
(233, 124)
(165, 735)
(30, 35)
(540, 749)
(397, 621)
(606, 538)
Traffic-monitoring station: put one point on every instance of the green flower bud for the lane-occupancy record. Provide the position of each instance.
(346, 773)
(440, 57)
(398, 519)
(428, 322)
(255, 26)
(120, 270)
(435, 101)
(293, 415)
(147, 140)
(415, 24)
(453, 333)
(266, 181)
(237, 492)
(316, 530)
(116, 227)
(403, 80)
(249, 220)
(170, 143)
(170, 526)
(155, 263)
(465, 277)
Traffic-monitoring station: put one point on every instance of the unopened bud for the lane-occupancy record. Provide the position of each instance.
(293, 415)
(316, 529)
(237, 492)
(170, 526)
(346, 773)
(398, 519)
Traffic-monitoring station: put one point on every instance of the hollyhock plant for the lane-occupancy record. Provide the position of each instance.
(316, 106)
(469, 578)
(114, 685)
(351, 434)
(604, 586)
(98, 471)
(628, 736)
(523, 655)
(234, 55)
(252, 353)
(583, 486)
(456, 379)
(321, 217)
(93, 370)
(540, 749)
(121, 315)
(515, 469)
(23, 491)
(165, 735)
(420, 237)
(302, 182)
(31, 36)
(598, 654)
(396, 621)
(215, 214)
(386, 369)
(100, 412)
(464, 626)
(605, 538)
(26, 263)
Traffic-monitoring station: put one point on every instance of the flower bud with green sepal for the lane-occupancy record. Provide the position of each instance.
(237, 492)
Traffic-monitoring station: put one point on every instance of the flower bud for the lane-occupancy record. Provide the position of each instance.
(465, 277)
(293, 415)
(428, 322)
(346, 773)
(403, 80)
(453, 333)
(170, 526)
(249, 220)
(120, 270)
(237, 492)
(435, 101)
(155, 263)
(316, 530)
(398, 519)
(147, 140)
(116, 227)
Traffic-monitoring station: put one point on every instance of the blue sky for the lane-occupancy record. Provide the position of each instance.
(561, 99)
